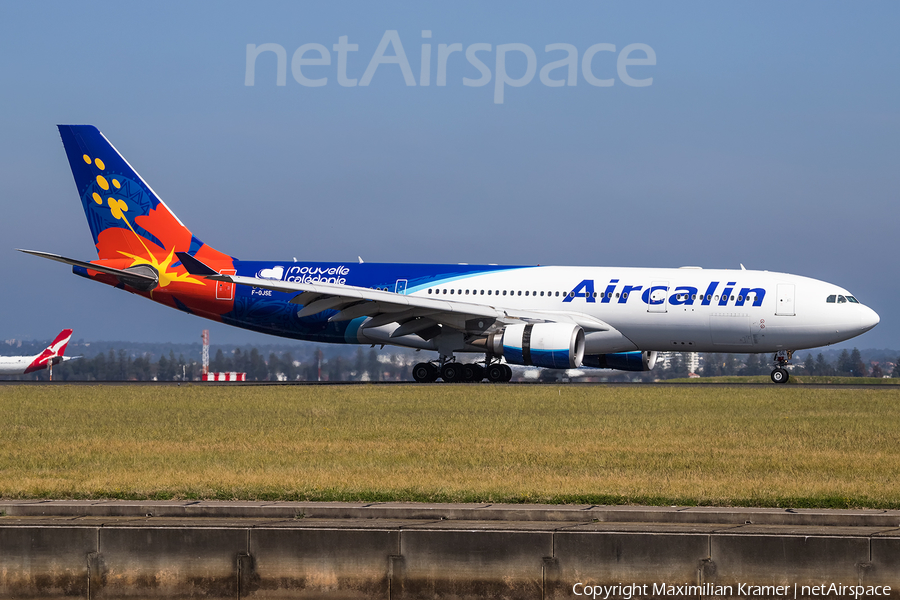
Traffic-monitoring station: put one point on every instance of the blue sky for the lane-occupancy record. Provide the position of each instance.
(769, 137)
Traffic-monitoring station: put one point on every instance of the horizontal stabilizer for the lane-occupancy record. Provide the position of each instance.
(144, 279)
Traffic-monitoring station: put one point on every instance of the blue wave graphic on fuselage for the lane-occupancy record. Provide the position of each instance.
(271, 312)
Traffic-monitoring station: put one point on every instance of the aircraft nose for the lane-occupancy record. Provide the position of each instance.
(868, 318)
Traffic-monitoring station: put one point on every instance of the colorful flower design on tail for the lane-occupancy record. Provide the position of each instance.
(118, 208)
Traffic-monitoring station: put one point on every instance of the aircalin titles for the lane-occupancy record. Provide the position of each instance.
(683, 295)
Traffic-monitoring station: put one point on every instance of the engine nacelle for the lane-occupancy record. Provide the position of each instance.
(622, 361)
(550, 345)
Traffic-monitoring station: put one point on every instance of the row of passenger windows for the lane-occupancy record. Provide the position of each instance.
(682, 297)
(841, 299)
(710, 297)
(499, 292)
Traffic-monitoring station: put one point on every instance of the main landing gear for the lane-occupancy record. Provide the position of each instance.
(451, 371)
(782, 359)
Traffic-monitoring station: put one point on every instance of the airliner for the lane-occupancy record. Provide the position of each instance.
(555, 317)
(51, 355)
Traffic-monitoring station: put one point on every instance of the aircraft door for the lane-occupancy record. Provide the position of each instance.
(400, 288)
(784, 294)
(658, 299)
(225, 289)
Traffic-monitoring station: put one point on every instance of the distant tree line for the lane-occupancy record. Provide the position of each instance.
(369, 365)
(119, 365)
(848, 364)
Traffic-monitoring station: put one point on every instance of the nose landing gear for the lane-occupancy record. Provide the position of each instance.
(782, 359)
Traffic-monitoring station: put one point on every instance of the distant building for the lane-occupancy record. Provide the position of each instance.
(691, 360)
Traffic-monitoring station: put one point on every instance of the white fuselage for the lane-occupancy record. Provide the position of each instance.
(687, 309)
(15, 365)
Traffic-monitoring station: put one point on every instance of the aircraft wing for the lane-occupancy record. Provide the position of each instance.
(352, 302)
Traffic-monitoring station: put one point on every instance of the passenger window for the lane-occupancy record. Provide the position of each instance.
(504, 292)
(520, 292)
(489, 292)
(526, 293)
(841, 299)
(831, 299)
(429, 291)
(451, 291)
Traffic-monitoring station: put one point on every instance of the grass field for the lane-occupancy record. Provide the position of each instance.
(777, 446)
(793, 380)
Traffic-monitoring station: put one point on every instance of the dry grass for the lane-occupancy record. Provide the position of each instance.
(794, 380)
(693, 445)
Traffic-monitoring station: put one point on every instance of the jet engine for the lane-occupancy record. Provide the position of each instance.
(550, 345)
(622, 361)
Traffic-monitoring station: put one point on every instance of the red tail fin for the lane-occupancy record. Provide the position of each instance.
(54, 350)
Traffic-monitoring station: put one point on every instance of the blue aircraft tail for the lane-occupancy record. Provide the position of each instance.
(126, 217)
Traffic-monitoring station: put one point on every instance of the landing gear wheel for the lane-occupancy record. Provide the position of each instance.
(473, 372)
(453, 372)
(780, 375)
(496, 373)
(507, 376)
(424, 373)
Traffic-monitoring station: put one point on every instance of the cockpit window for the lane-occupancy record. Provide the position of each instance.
(841, 299)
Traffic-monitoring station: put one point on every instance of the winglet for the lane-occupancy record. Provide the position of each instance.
(194, 266)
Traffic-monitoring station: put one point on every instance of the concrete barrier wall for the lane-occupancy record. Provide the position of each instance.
(132, 555)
